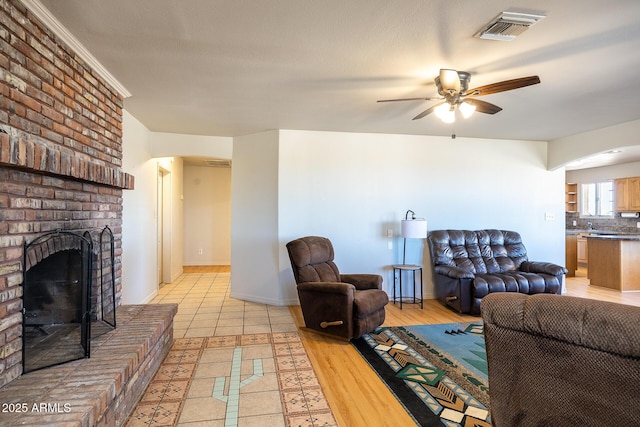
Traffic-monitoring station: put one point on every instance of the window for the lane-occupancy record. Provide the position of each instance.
(597, 199)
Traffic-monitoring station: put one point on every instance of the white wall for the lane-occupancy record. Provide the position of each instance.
(139, 260)
(207, 215)
(255, 243)
(174, 144)
(353, 187)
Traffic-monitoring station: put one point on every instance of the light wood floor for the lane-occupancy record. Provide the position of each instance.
(206, 269)
(357, 396)
(355, 393)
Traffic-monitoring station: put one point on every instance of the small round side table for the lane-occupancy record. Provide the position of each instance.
(412, 268)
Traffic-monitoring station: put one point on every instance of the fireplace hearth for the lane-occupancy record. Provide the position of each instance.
(68, 296)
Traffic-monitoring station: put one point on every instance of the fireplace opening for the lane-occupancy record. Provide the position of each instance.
(68, 296)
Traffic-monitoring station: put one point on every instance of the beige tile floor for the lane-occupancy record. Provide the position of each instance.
(233, 363)
(206, 309)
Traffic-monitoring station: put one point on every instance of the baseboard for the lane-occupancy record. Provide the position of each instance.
(150, 298)
(268, 301)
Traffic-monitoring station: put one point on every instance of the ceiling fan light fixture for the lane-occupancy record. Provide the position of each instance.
(454, 94)
(445, 112)
(466, 109)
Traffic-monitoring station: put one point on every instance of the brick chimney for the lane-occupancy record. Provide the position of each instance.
(60, 157)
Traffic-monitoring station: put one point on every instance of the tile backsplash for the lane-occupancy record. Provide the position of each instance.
(615, 224)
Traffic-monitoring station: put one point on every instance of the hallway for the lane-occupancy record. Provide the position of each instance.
(206, 309)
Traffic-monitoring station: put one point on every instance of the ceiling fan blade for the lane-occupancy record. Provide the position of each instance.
(503, 86)
(483, 106)
(407, 99)
(427, 111)
(450, 80)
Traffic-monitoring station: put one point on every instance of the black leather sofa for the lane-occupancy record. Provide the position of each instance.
(468, 265)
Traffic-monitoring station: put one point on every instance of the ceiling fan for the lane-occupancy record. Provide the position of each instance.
(453, 88)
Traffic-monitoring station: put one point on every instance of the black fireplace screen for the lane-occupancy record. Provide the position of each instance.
(107, 279)
(68, 296)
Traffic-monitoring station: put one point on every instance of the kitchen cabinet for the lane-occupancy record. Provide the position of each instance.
(614, 262)
(634, 193)
(571, 254)
(571, 197)
(582, 250)
(627, 194)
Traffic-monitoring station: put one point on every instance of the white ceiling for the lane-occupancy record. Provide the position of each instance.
(237, 67)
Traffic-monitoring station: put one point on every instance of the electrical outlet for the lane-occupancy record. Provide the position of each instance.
(200, 251)
(390, 245)
(575, 223)
(638, 224)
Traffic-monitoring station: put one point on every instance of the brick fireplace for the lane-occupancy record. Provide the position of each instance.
(60, 157)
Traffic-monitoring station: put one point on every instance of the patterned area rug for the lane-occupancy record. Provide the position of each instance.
(234, 380)
(437, 372)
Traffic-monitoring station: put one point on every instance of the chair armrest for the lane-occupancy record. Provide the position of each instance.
(453, 272)
(363, 281)
(327, 288)
(543, 267)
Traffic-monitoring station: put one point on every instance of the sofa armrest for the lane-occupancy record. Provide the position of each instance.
(543, 267)
(453, 272)
(363, 281)
(338, 288)
(600, 325)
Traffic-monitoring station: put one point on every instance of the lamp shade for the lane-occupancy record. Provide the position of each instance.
(413, 228)
(450, 80)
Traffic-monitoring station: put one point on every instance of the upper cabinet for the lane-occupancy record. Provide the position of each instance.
(627, 194)
(571, 197)
(634, 193)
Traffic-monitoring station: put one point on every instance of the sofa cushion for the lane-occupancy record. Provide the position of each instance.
(514, 281)
(479, 252)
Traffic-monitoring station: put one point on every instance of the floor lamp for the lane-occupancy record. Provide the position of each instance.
(414, 228)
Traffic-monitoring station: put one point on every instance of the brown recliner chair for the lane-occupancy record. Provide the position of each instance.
(556, 360)
(346, 305)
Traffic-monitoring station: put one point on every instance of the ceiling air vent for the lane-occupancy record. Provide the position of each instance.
(218, 163)
(508, 25)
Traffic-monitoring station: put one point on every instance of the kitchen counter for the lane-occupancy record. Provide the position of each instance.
(614, 261)
(596, 232)
(614, 236)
